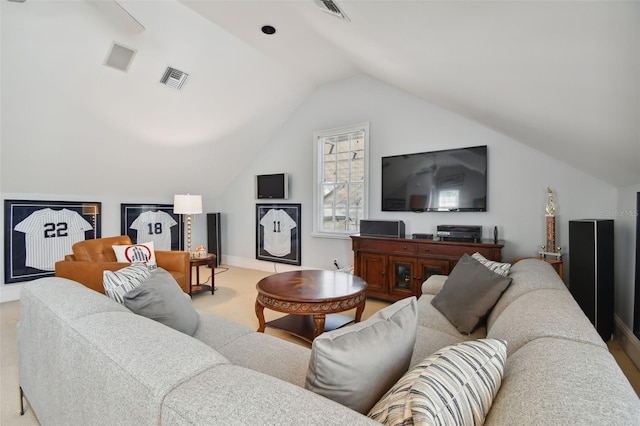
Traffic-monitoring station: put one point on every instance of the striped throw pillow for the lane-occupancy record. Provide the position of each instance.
(454, 386)
(117, 283)
(497, 267)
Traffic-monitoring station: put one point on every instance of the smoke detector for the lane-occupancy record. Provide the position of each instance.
(332, 8)
(174, 78)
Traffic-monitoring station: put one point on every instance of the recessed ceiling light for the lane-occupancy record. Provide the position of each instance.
(268, 29)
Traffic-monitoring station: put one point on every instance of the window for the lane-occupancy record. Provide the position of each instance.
(340, 187)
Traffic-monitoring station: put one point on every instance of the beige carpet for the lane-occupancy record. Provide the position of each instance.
(234, 299)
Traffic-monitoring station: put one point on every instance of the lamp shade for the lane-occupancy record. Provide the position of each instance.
(187, 204)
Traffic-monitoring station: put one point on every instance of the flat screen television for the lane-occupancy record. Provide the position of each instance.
(274, 186)
(451, 180)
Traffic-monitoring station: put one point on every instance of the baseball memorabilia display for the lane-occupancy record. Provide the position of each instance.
(156, 223)
(40, 233)
(278, 233)
(155, 227)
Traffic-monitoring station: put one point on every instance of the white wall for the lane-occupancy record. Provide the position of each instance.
(402, 123)
(625, 216)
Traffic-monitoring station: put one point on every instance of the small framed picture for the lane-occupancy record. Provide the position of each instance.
(37, 234)
(155, 223)
(278, 233)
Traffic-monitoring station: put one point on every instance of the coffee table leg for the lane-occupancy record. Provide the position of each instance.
(260, 315)
(359, 311)
(318, 324)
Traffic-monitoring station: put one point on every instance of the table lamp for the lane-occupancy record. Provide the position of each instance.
(187, 204)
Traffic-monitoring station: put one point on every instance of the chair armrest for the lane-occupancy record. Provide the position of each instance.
(87, 273)
(177, 263)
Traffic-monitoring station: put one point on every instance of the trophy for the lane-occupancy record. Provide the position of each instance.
(550, 249)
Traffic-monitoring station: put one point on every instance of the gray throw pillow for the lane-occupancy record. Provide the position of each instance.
(469, 293)
(357, 364)
(161, 299)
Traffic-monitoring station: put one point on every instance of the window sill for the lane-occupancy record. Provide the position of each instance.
(332, 236)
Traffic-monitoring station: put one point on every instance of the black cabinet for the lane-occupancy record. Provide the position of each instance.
(591, 263)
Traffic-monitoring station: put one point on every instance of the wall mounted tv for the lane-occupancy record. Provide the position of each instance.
(274, 186)
(452, 180)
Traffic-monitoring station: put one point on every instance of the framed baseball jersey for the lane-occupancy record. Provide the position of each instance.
(40, 233)
(278, 233)
(155, 223)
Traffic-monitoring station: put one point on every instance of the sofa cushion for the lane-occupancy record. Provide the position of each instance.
(454, 386)
(469, 293)
(136, 253)
(161, 299)
(544, 313)
(499, 268)
(117, 283)
(429, 341)
(528, 275)
(552, 381)
(429, 316)
(357, 364)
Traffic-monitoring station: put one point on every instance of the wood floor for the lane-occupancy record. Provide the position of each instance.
(628, 367)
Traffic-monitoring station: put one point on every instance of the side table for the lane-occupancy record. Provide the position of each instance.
(210, 261)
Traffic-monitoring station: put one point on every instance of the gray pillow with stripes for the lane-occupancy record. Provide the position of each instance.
(499, 268)
(117, 283)
(454, 386)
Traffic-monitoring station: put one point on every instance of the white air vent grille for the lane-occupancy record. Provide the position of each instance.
(331, 7)
(120, 57)
(174, 78)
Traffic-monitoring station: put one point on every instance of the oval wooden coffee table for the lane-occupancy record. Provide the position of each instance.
(310, 297)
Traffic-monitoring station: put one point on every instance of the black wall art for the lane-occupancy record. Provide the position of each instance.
(278, 233)
(40, 233)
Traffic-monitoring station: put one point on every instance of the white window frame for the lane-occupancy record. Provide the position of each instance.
(318, 170)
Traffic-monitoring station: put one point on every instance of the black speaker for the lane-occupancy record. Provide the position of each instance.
(636, 304)
(214, 244)
(591, 274)
(382, 228)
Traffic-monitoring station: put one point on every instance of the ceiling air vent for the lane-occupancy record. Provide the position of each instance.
(174, 78)
(331, 7)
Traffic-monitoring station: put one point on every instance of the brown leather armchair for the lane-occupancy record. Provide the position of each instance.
(91, 257)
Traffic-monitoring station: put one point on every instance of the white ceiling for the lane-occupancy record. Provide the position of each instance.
(560, 76)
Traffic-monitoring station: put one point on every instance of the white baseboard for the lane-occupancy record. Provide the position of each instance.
(259, 265)
(628, 341)
(10, 292)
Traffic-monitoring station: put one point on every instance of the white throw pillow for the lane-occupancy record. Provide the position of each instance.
(355, 365)
(137, 253)
(454, 386)
(117, 283)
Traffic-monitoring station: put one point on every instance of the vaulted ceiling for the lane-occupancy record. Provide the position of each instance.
(560, 76)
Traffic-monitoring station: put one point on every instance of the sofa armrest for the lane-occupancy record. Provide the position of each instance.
(434, 284)
(87, 273)
(177, 263)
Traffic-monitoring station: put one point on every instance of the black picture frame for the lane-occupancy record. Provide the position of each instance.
(46, 234)
(129, 213)
(285, 220)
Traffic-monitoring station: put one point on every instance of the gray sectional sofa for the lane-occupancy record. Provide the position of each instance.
(85, 359)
